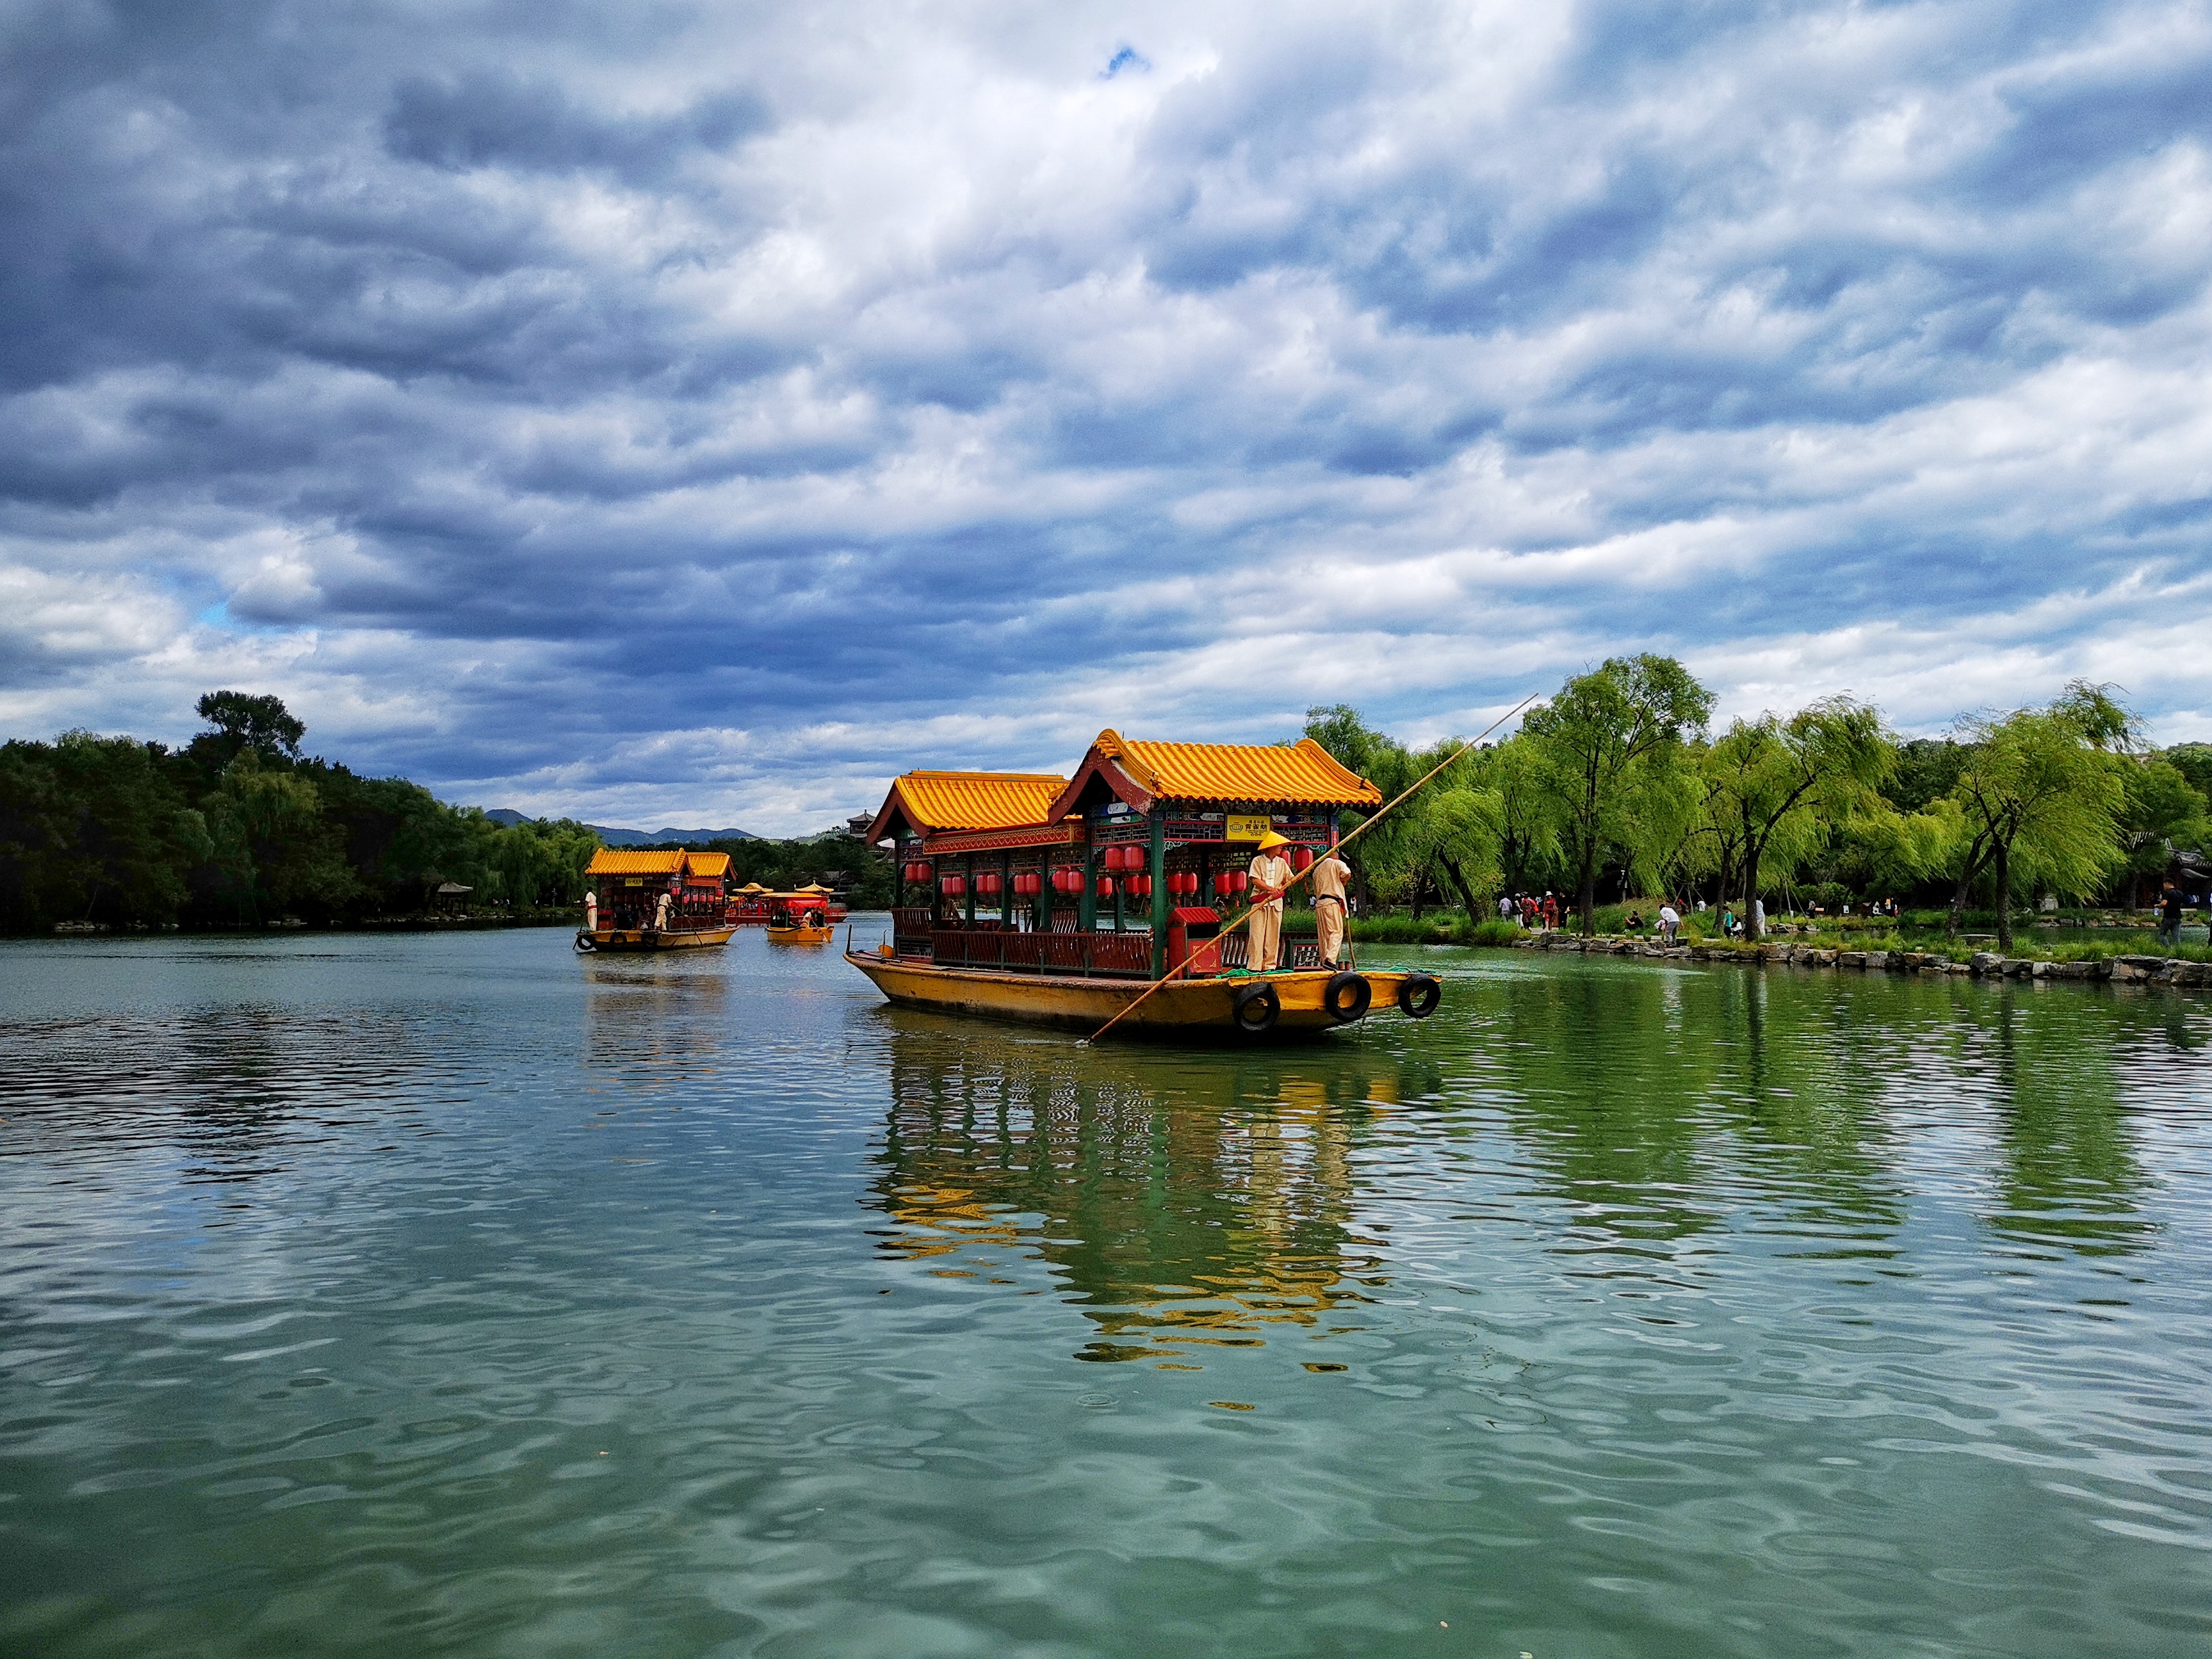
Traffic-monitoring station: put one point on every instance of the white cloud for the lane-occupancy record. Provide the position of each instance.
(701, 418)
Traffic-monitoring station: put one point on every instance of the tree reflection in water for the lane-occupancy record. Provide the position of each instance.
(1184, 1201)
(1649, 1123)
(1662, 1105)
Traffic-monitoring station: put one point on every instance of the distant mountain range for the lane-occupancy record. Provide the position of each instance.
(614, 837)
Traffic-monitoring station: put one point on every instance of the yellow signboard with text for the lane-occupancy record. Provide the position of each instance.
(1241, 826)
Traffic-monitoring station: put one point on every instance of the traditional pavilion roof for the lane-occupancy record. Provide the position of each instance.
(923, 802)
(1142, 772)
(624, 861)
(706, 866)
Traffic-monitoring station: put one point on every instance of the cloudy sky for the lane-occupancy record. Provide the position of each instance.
(698, 413)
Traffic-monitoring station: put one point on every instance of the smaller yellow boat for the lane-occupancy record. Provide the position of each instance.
(800, 918)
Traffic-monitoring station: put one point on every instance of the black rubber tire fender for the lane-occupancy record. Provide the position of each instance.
(1257, 1008)
(1347, 996)
(1418, 995)
(584, 941)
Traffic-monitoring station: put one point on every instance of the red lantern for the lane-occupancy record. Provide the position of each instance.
(987, 884)
(1300, 860)
(1105, 887)
(1139, 886)
(954, 886)
(1231, 881)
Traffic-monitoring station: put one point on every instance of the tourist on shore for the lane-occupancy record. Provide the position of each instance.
(2169, 915)
(1551, 911)
(1635, 921)
(1670, 921)
(1330, 874)
(1505, 907)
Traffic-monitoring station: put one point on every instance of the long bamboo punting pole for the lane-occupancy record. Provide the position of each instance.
(1242, 915)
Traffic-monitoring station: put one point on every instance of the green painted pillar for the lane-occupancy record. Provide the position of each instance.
(1159, 871)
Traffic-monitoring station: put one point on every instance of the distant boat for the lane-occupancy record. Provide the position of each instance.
(632, 887)
(800, 918)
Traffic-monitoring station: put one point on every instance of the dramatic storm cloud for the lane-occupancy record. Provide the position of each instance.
(702, 412)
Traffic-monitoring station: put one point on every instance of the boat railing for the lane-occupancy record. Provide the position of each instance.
(1126, 955)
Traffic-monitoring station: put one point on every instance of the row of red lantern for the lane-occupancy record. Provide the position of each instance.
(989, 884)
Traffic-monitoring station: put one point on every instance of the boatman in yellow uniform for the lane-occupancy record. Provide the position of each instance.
(591, 910)
(1271, 874)
(660, 913)
(1330, 872)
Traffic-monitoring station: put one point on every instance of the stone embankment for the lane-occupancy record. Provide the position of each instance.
(1984, 965)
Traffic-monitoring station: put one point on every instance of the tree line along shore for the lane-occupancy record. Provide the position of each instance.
(239, 828)
(1616, 792)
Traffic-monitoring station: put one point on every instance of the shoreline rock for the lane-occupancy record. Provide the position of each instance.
(1983, 964)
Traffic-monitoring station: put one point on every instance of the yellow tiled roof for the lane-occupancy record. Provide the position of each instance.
(969, 800)
(707, 864)
(623, 861)
(1304, 773)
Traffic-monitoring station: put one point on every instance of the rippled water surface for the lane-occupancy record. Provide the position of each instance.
(436, 1295)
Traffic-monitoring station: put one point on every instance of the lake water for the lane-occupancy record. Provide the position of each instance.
(455, 1295)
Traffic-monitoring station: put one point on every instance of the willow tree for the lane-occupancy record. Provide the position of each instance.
(1524, 819)
(1609, 748)
(2041, 793)
(1780, 785)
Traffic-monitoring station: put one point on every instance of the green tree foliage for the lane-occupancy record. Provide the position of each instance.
(1444, 842)
(2040, 798)
(1775, 788)
(237, 828)
(2164, 813)
(92, 828)
(1610, 751)
(241, 722)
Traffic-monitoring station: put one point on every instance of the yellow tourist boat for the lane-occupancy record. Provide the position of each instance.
(1075, 902)
(800, 918)
(1305, 999)
(642, 901)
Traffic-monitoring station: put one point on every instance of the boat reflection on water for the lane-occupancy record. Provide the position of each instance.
(1183, 1201)
(657, 1021)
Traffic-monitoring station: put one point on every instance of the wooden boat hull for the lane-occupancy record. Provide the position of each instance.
(646, 938)
(801, 935)
(1191, 1007)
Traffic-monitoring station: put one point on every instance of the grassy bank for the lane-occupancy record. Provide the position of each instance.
(2108, 936)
